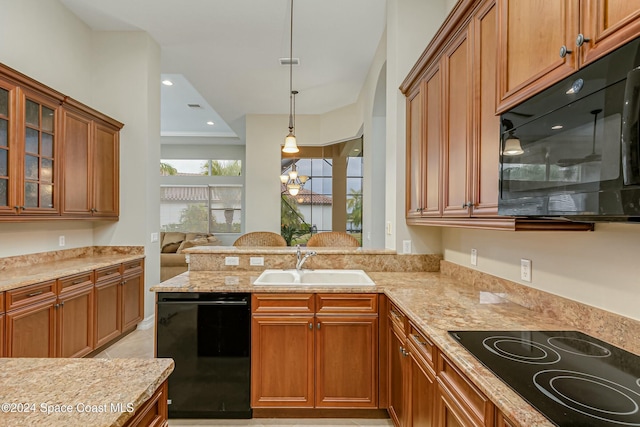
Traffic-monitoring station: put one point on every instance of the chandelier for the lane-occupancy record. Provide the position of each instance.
(290, 145)
(293, 182)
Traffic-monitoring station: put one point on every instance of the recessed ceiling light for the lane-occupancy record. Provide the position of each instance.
(167, 82)
(556, 127)
(210, 123)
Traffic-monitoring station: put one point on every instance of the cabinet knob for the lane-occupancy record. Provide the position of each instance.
(467, 205)
(310, 325)
(581, 39)
(318, 325)
(564, 51)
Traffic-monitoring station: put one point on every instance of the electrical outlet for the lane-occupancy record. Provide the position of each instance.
(525, 270)
(256, 260)
(406, 246)
(474, 256)
(154, 237)
(231, 260)
(61, 241)
(389, 227)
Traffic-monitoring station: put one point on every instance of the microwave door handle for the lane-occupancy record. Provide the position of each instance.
(630, 138)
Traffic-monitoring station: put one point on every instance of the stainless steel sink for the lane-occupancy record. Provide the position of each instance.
(314, 278)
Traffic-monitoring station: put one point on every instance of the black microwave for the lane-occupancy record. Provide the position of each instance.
(573, 150)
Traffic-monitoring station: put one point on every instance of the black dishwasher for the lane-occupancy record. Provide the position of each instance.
(208, 335)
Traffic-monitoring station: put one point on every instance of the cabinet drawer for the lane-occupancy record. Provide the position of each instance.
(346, 303)
(467, 394)
(397, 317)
(21, 297)
(70, 283)
(108, 273)
(422, 345)
(282, 303)
(132, 267)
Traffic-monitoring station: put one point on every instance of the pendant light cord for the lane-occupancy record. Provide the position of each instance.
(291, 98)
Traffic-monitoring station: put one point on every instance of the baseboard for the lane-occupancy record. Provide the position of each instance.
(147, 323)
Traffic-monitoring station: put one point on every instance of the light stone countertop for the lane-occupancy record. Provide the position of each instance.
(271, 250)
(433, 302)
(85, 388)
(12, 278)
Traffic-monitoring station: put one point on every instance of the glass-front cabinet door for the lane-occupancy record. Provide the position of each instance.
(7, 121)
(38, 149)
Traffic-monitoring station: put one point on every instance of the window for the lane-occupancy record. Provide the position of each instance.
(331, 198)
(201, 196)
(188, 167)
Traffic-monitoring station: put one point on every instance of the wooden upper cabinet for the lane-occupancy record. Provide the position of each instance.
(486, 124)
(58, 157)
(75, 152)
(534, 34)
(29, 141)
(7, 148)
(106, 172)
(432, 161)
(457, 138)
(531, 39)
(415, 153)
(607, 24)
(91, 168)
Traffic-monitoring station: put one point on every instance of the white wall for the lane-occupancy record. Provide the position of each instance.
(410, 26)
(115, 73)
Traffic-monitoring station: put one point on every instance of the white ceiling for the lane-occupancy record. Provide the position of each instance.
(228, 51)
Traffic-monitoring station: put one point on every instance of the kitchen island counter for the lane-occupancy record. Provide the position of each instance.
(77, 392)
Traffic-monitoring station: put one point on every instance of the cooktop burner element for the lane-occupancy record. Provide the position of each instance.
(571, 378)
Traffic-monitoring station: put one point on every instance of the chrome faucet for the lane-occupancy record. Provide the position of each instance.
(301, 259)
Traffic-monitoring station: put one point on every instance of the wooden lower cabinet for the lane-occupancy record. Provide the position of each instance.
(31, 330)
(107, 309)
(31, 320)
(75, 323)
(397, 379)
(301, 359)
(346, 362)
(282, 369)
(421, 394)
(132, 302)
(154, 412)
(119, 300)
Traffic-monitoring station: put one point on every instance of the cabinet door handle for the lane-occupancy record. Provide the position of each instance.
(467, 205)
(77, 282)
(311, 325)
(564, 51)
(581, 39)
(33, 294)
(62, 304)
(318, 325)
(56, 306)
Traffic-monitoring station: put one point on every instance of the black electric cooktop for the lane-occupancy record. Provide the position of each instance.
(571, 378)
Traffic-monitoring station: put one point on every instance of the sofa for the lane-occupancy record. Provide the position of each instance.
(172, 243)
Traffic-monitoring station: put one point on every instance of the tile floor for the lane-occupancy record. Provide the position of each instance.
(139, 343)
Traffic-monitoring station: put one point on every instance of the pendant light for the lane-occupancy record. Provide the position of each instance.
(512, 145)
(290, 144)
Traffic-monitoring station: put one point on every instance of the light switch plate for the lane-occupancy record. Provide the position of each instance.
(525, 270)
(474, 256)
(231, 260)
(154, 237)
(389, 227)
(406, 246)
(61, 241)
